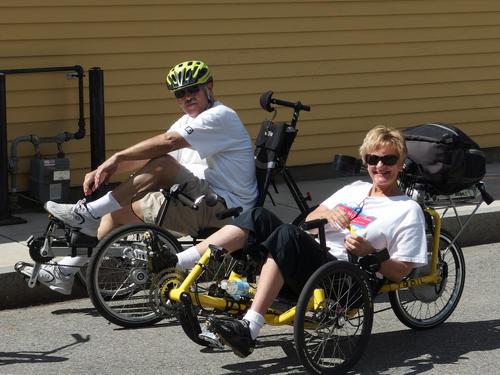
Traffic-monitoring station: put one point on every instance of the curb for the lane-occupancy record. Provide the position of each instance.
(15, 293)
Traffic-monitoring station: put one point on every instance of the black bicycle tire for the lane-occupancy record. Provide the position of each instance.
(301, 310)
(420, 324)
(190, 324)
(93, 289)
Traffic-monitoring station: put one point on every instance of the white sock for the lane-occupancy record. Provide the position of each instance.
(104, 205)
(188, 258)
(71, 265)
(256, 322)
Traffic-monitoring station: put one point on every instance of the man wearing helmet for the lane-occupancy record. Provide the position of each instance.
(207, 149)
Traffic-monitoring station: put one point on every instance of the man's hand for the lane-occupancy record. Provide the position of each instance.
(93, 180)
(358, 245)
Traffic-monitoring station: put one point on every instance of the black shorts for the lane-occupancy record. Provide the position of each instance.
(296, 253)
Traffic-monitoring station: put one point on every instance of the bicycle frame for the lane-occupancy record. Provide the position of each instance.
(183, 293)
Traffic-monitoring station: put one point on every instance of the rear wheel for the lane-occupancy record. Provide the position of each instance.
(331, 334)
(426, 306)
(120, 283)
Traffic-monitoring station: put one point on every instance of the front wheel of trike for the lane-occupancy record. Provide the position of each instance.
(333, 319)
(120, 283)
(426, 306)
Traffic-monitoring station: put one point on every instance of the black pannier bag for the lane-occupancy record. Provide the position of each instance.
(271, 151)
(443, 157)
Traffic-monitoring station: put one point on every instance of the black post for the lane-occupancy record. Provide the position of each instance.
(97, 133)
(5, 217)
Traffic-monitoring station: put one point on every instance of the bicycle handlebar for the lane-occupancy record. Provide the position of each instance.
(266, 99)
(210, 199)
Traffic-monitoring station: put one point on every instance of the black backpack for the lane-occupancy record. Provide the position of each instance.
(271, 151)
(443, 157)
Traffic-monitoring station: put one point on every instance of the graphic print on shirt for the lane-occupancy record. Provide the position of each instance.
(355, 214)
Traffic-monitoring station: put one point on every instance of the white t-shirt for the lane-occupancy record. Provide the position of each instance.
(221, 153)
(396, 223)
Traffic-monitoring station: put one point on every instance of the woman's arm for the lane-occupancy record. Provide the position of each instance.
(336, 217)
(395, 270)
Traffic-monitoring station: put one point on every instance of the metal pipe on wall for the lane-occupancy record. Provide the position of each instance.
(5, 213)
(97, 133)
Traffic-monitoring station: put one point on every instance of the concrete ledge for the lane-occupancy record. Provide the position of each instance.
(15, 292)
(483, 228)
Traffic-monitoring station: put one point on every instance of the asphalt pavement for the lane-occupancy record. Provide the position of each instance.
(14, 293)
(71, 338)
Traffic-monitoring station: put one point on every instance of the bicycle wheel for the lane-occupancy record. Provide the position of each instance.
(331, 337)
(427, 306)
(120, 284)
(192, 317)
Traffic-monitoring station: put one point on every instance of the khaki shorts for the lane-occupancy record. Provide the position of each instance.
(180, 218)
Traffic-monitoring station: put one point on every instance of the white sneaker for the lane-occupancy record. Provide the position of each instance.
(49, 275)
(76, 216)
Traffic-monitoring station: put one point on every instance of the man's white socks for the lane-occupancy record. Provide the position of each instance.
(104, 205)
(188, 258)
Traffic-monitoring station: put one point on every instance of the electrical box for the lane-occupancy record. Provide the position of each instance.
(50, 178)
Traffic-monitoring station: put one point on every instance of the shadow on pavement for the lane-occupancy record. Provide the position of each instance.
(415, 351)
(9, 358)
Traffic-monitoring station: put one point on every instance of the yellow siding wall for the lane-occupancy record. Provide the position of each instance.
(357, 63)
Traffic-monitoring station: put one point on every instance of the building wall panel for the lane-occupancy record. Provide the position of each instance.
(357, 63)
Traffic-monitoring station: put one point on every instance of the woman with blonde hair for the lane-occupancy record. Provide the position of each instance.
(363, 218)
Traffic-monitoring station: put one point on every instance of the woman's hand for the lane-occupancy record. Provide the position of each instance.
(337, 217)
(358, 245)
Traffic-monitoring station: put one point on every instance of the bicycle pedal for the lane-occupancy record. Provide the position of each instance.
(78, 239)
(212, 339)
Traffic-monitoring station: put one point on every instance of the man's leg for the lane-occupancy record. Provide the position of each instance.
(116, 208)
(158, 172)
(131, 214)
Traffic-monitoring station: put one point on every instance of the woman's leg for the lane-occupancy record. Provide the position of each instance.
(270, 283)
(250, 228)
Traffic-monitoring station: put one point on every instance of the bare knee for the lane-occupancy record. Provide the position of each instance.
(123, 216)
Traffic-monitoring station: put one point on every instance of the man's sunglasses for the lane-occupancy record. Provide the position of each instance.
(386, 159)
(188, 90)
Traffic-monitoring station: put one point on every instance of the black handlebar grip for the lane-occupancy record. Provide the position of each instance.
(487, 198)
(296, 106)
(235, 211)
(211, 199)
(265, 101)
(312, 224)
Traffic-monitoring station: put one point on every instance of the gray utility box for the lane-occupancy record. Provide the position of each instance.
(49, 180)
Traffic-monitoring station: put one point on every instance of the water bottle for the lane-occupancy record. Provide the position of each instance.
(236, 288)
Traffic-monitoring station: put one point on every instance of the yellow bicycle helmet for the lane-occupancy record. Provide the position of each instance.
(188, 73)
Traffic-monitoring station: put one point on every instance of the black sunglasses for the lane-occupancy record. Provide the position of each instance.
(188, 90)
(386, 159)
